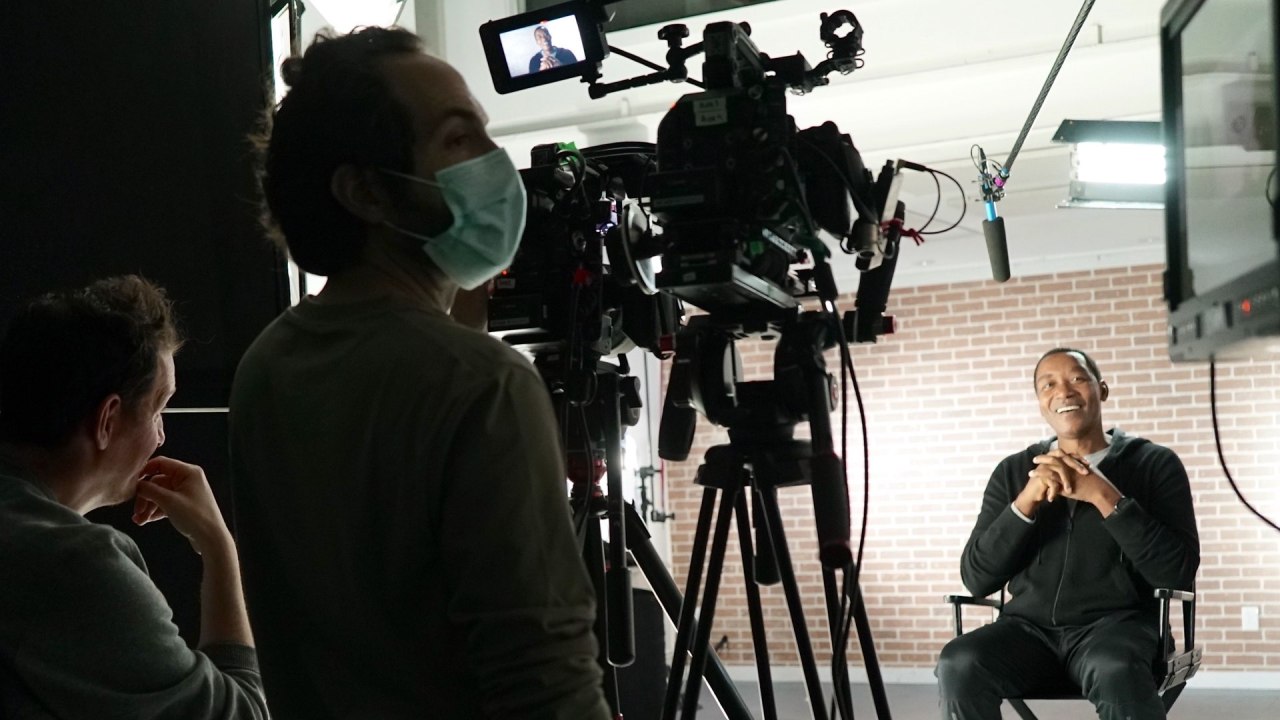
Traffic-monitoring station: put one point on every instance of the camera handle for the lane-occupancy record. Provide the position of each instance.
(677, 70)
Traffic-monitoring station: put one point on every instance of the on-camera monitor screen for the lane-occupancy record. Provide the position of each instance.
(542, 46)
(657, 12)
(1228, 120)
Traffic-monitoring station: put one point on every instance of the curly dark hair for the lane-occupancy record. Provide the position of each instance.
(1089, 364)
(340, 110)
(65, 352)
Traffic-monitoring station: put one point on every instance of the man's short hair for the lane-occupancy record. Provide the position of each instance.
(1089, 364)
(340, 110)
(64, 353)
(542, 30)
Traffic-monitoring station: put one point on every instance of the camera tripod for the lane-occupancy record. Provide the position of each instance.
(762, 455)
(609, 402)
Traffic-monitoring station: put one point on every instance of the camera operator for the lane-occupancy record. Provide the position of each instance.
(399, 487)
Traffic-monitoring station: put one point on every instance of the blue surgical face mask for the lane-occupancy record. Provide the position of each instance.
(486, 196)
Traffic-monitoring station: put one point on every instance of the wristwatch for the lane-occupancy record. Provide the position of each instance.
(1122, 504)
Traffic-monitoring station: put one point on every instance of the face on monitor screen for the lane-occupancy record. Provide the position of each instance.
(556, 43)
(544, 46)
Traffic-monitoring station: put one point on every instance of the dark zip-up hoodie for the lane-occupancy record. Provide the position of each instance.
(1070, 566)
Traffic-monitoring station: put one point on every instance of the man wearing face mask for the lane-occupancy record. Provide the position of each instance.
(399, 489)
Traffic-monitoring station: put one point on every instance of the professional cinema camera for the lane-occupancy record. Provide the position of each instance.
(739, 207)
(576, 302)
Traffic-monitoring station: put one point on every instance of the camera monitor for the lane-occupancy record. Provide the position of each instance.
(544, 46)
(1223, 278)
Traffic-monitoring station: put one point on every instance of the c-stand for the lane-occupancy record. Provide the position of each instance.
(762, 455)
(593, 408)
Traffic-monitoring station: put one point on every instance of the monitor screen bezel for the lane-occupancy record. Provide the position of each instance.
(595, 50)
(1175, 17)
(1206, 325)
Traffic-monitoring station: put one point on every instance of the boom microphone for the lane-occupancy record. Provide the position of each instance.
(997, 247)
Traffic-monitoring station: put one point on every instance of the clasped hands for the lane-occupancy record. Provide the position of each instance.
(1061, 474)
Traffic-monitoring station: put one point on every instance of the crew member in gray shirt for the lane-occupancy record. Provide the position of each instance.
(398, 479)
(84, 632)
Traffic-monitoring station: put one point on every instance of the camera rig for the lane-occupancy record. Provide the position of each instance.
(733, 210)
(740, 194)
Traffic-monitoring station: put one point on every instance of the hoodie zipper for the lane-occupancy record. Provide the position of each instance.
(1066, 557)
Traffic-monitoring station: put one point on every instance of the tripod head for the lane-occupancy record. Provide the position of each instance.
(761, 416)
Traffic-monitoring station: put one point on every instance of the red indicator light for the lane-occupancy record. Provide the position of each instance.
(1246, 307)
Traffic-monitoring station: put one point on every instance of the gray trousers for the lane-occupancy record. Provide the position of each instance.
(1110, 660)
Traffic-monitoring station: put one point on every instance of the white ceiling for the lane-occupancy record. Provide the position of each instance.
(940, 75)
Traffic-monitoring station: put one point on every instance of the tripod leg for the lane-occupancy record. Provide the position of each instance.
(664, 588)
(593, 556)
(622, 639)
(835, 617)
(693, 685)
(804, 647)
(685, 628)
(878, 695)
(759, 640)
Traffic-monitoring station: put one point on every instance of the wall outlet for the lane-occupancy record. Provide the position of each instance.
(1249, 617)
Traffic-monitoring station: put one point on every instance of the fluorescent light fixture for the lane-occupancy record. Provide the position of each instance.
(1114, 164)
(1128, 163)
(346, 15)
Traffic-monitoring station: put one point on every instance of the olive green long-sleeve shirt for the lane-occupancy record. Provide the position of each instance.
(86, 635)
(405, 535)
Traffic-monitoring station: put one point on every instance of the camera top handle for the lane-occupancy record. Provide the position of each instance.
(730, 42)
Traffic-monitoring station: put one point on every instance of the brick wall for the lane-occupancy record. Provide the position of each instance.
(949, 395)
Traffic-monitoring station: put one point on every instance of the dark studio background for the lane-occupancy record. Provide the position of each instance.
(123, 149)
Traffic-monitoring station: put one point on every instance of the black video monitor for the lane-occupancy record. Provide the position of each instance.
(1220, 122)
(543, 46)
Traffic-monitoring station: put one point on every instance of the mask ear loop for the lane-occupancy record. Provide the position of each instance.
(412, 178)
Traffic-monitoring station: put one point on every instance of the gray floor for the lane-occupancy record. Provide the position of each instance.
(920, 702)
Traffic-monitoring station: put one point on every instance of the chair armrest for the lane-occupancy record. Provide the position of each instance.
(1166, 596)
(959, 601)
(970, 600)
(1177, 667)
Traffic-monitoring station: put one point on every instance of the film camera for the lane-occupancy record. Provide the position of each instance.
(739, 205)
(733, 210)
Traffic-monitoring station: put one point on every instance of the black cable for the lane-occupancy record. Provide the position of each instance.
(848, 182)
(1048, 83)
(937, 203)
(1217, 441)
(849, 593)
(566, 398)
(804, 201)
(964, 204)
(852, 591)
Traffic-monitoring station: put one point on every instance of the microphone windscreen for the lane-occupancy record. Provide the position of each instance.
(997, 248)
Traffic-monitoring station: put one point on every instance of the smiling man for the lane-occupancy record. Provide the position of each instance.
(1082, 527)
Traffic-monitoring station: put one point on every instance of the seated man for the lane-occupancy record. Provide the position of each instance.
(549, 56)
(84, 633)
(1082, 527)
